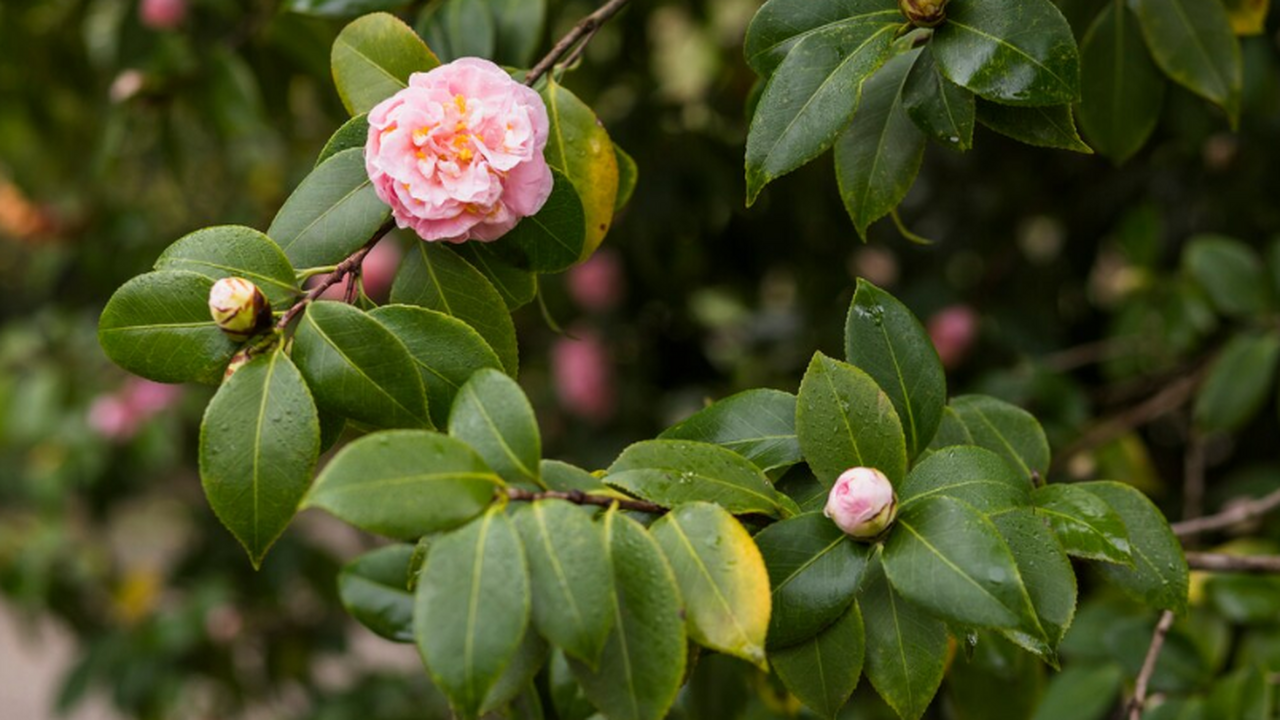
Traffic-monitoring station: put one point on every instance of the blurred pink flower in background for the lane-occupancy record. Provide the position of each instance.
(163, 14)
(119, 415)
(377, 272)
(583, 370)
(953, 330)
(598, 284)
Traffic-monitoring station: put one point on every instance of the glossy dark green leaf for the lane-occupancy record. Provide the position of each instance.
(1238, 383)
(563, 477)
(1049, 127)
(373, 58)
(513, 695)
(459, 28)
(800, 485)
(1081, 692)
(815, 571)
(471, 609)
(906, 647)
(1159, 573)
(258, 447)
(340, 8)
(759, 425)
(572, 581)
(628, 176)
(1007, 430)
(780, 24)
(939, 107)
(517, 286)
(331, 214)
(948, 558)
(374, 589)
(1230, 272)
(670, 472)
(951, 431)
(1086, 526)
(492, 415)
(1240, 598)
(435, 277)
(1122, 91)
(354, 133)
(812, 95)
(405, 484)
(994, 668)
(158, 326)
(721, 576)
(1018, 52)
(579, 147)
(823, 672)
(1047, 574)
(358, 369)
(446, 350)
(643, 663)
(331, 429)
(972, 474)
(235, 251)
(844, 420)
(518, 24)
(878, 156)
(886, 341)
(1193, 43)
(554, 238)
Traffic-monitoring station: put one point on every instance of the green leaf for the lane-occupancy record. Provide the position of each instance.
(1048, 127)
(434, 277)
(446, 350)
(517, 286)
(374, 589)
(1018, 52)
(332, 213)
(1086, 526)
(939, 107)
(472, 608)
(1159, 573)
(235, 251)
(1047, 574)
(563, 477)
(405, 484)
(552, 240)
(844, 420)
(492, 415)
(1244, 694)
(951, 432)
(824, 671)
(759, 425)
(628, 176)
(354, 133)
(1007, 430)
(906, 647)
(572, 581)
(1081, 692)
(780, 24)
(340, 8)
(886, 341)
(1122, 92)
(812, 95)
(948, 558)
(519, 25)
(458, 28)
(373, 58)
(878, 156)
(643, 663)
(721, 576)
(670, 472)
(1238, 382)
(258, 447)
(158, 326)
(814, 570)
(800, 485)
(358, 369)
(994, 668)
(977, 476)
(1194, 45)
(1230, 272)
(579, 147)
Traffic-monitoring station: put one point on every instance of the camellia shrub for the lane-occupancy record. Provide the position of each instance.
(868, 525)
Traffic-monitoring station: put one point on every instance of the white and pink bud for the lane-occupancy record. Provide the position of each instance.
(163, 14)
(238, 307)
(862, 503)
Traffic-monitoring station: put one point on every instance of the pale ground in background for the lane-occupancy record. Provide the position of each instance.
(32, 660)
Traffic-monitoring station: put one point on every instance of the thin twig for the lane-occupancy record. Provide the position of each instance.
(1234, 515)
(344, 268)
(581, 33)
(580, 498)
(1149, 665)
(1251, 564)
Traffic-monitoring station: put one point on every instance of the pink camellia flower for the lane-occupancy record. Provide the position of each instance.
(597, 284)
(163, 14)
(862, 503)
(583, 371)
(458, 154)
(953, 331)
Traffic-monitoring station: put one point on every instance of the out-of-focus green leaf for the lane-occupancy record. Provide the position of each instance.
(374, 589)
(458, 28)
(1122, 92)
(1230, 272)
(1081, 692)
(341, 8)
(628, 176)
(1193, 43)
(1238, 383)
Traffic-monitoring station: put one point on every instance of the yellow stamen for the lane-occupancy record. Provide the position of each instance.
(461, 102)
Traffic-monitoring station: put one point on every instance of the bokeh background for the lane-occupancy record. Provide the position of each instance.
(1054, 281)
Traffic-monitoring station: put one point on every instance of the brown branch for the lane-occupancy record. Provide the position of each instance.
(344, 268)
(1149, 666)
(1217, 562)
(1234, 515)
(580, 34)
(580, 498)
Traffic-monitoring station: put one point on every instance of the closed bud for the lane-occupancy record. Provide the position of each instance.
(238, 306)
(924, 13)
(862, 503)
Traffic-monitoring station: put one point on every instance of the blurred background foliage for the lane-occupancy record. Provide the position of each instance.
(1055, 281)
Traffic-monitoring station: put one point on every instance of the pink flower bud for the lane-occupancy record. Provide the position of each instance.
(583, 373)
(597, 284)
(163, 14)
(862, 503)
(238, 306)
(953, 331)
